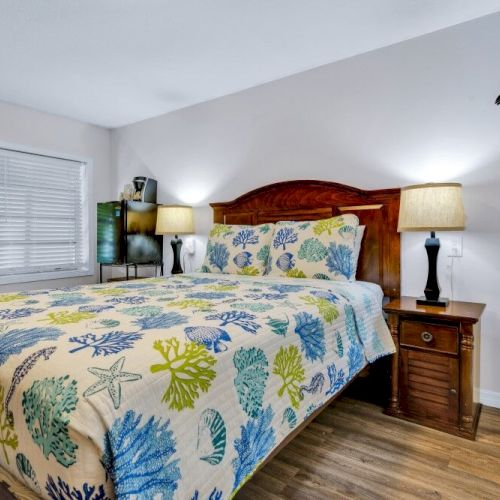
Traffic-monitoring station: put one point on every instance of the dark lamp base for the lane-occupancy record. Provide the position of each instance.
(176, 249)
(441, 302)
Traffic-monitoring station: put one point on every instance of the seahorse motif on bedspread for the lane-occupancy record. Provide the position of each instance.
(21, 371)
(314, 386)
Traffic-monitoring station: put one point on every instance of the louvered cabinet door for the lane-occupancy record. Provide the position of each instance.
(429, 386)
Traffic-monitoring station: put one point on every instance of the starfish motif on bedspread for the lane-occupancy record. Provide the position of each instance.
(111, 379)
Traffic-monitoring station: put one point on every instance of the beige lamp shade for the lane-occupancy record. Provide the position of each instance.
(174, 219)
(431, 207)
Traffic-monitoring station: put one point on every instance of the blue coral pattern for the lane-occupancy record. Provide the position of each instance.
(323, 249)
(176, 388)
(236, 249)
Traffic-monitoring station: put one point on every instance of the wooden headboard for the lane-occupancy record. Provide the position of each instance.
(379, 260)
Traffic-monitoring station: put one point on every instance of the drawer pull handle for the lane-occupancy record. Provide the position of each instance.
(426, 337)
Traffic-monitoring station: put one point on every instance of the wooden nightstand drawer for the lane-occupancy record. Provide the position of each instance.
(434, 337)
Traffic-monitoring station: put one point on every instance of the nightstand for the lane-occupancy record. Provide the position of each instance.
(436, 364)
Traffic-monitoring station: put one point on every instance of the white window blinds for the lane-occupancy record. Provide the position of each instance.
(43, 217)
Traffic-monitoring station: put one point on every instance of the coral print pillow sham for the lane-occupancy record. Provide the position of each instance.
(323, 249)
(236, 249)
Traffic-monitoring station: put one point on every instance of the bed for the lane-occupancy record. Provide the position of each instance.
(183, 387)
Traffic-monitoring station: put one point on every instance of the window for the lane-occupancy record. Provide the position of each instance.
(43, 217)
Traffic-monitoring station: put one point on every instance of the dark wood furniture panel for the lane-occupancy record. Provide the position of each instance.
(429, 336)
(429, 386)
(433, 368)
(379, 260)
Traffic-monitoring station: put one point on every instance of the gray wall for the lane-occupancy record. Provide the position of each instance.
(26, 127)
(418, 111)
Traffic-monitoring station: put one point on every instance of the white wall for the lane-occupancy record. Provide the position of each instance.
(418, 111)
(23, 126)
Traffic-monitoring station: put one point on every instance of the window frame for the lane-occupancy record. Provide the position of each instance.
(88, 222)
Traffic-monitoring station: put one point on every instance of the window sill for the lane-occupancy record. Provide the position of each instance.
(47, 276)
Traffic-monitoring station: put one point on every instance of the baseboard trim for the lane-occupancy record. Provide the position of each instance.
(487, 398)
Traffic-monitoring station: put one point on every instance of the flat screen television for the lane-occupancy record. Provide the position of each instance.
(126, 233)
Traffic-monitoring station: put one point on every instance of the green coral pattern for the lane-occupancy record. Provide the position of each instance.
(111, 291)
(11, 297)
(250, 382)
(46, 406)
(190, 366)
(252, 306)
(66, 317)
(178, 384)
(263, 254)
(325, 249)
(222, 288)
(312, 250)
(278, 326)
(197, 304)
(142, 310)
(8, 438)
(295, 273)
(249, 271)
(220, 230)
(288, 366)
(328, 310)
(328, 225)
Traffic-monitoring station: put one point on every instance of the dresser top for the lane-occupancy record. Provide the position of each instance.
(468, 311)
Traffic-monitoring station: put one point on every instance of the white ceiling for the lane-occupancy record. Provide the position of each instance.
(114, 62)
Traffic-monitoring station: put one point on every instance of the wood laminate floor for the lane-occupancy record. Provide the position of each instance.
(353, 450)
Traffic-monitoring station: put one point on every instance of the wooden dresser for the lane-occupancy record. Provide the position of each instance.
(433, 370)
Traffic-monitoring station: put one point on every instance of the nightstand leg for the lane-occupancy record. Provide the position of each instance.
(394, 329)
(466, 377)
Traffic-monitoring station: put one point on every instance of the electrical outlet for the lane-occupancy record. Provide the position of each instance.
(456, 247)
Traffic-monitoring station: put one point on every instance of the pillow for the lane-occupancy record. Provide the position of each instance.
(235, 249)
(323, 249)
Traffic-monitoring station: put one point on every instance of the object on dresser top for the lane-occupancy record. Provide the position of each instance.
(432, 207)
(322, 249)
(140, 189)
(238, 249)
(175, 219)
(435, 365)
(145, 189)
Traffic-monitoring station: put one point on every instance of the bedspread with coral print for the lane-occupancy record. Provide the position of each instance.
(176, 387)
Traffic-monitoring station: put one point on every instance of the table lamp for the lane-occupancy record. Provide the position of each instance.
(175, 219)
(432, 207)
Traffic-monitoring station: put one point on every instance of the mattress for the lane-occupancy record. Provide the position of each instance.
(173, 387)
